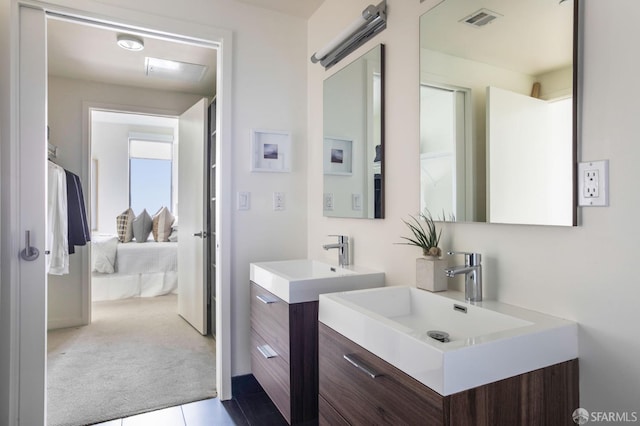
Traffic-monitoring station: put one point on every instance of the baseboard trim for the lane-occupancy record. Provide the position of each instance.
(54, 324)
(245, 385)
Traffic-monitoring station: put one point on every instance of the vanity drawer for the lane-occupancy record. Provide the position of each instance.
(270, 319)
(391, 397)
(328, 415)
(272, 372)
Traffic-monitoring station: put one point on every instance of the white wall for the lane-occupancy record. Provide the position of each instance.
(110, 147)
(585, 273)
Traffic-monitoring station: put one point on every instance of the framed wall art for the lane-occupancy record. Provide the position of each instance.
(270, 151)
(338, 156)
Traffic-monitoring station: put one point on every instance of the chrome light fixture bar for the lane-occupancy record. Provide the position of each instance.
(371, 22)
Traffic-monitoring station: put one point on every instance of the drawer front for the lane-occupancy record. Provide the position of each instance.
(364, 389)
(272, 372)
(270, 319)
(328, 415)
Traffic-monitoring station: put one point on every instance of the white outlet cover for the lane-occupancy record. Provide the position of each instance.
(593, 194)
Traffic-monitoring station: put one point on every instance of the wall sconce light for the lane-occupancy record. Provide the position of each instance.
(371, 22)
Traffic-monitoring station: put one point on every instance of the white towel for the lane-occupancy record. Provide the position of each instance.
(57, 241)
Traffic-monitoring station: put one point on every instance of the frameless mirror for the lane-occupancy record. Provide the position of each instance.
(353, 154)
(497, 111)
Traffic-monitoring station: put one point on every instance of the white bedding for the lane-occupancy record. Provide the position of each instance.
(146, 257)
(140, 269)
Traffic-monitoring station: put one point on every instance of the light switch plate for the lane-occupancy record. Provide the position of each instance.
(244, 200)
(593, 183)
(356, 202)
(278, 201)
(327, 201)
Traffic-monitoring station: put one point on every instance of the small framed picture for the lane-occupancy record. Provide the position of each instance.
(337, 156)
(270, 151)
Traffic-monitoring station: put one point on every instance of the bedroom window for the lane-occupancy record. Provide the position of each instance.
(150, 175)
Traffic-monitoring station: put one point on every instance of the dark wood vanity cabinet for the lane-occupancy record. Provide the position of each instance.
(375, 392)
(284, 353)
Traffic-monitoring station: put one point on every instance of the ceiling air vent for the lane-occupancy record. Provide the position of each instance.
(174, 70)
(480, 18)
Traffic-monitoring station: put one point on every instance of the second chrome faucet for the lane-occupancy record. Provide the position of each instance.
(343, 249)
(472, 270)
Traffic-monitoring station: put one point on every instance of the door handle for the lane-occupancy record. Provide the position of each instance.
(201, 234)
(29, 253)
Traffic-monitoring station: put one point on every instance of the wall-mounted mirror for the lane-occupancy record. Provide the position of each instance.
(353, 154)
(497, 111)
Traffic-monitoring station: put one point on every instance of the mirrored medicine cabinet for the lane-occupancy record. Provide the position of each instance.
(498, 111)
(353, 139)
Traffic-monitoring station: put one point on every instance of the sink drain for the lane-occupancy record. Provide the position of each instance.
(438, 335)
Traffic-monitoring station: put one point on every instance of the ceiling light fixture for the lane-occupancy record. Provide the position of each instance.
(372, 20)
(129, 42)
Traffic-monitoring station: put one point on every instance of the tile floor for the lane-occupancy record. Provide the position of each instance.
(250, 409)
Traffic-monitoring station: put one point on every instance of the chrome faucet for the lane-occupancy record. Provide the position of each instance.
(472, 271)
(343, 249)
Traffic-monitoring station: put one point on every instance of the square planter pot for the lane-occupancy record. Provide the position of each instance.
(430, 273)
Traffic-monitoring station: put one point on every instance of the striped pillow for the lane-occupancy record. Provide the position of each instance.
(142, 225)
(162, 222)
(124, 225)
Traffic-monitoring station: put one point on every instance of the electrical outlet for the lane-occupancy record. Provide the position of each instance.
(591, 178)
(593, 183)
(278, 200)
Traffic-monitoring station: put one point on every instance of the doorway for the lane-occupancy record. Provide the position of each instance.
(29, 380)
(134, 168)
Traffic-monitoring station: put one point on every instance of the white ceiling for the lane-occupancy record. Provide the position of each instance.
(301, 8)
(87, 52)
(532, 36)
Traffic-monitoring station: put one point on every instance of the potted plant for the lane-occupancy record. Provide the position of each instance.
(430, 268)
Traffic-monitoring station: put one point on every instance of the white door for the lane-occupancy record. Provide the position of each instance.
(28, 193)
(192, 160)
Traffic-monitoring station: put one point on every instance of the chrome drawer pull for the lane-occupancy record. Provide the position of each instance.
(267, 352)
(353, 360)
(266, 299)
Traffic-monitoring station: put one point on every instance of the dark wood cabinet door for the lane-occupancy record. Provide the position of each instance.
(364, 389)
(270, 319)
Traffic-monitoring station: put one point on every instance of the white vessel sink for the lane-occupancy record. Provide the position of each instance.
(303, 280)
(490, 341)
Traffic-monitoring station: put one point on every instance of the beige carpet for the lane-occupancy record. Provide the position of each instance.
(137, 355)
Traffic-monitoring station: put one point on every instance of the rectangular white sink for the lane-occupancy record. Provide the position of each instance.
(488, 341)
(303, 280)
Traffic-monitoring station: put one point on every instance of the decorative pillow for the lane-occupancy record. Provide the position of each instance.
(162, 222)
(124, 225)
(142, 225)
(173, 237)
(103, 254)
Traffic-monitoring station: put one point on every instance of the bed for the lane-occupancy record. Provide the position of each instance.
(124, 270)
